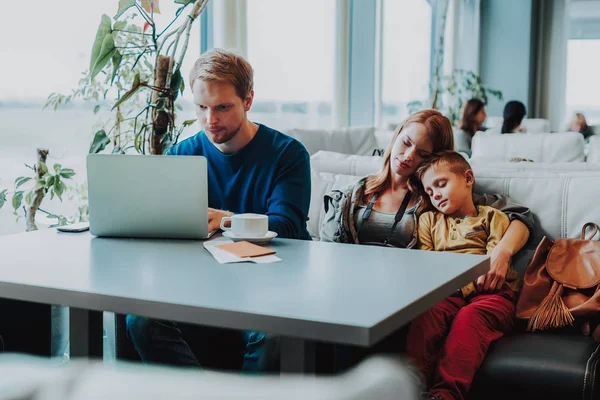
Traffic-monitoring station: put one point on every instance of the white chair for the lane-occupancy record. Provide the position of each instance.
(532, 125)
(328, 161)
(536, 125)
(360, 140)
(27, 378)
(538, 147)
(593, 155)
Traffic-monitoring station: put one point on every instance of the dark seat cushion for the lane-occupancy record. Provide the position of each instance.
(540, 366)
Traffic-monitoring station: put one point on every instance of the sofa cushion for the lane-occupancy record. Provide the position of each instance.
(479, 164)
(360, 140)
(536, 125)
(346, 164)
(539, 366)
(323, 183)
(532, 125)
(537, 147)
(383, 137)
(593, 155)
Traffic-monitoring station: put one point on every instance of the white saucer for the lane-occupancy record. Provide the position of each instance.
(257, 240)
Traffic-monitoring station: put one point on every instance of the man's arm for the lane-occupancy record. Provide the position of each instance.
(288, 203)
(425, 240)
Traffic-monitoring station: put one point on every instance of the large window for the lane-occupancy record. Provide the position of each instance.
(583, 48)
(291, 48)
(583, 85)
(47, 51)
(406, 54)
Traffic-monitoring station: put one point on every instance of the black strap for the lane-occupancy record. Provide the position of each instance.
(397, 217)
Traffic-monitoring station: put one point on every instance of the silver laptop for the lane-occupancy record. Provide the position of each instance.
(148, 196)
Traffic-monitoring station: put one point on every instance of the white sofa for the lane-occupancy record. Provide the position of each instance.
(547, 191)
(539, 147)
(548, 366)
(532, 125)
(28, 378)
(593, 154)
(358, 140)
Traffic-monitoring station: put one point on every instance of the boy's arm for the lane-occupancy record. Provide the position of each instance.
(498, 224)
(425, 239)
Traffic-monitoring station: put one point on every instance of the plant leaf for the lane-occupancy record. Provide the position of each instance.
(124, 5)
(136, 85)
(67, 173)
(151, 6)
(120, 25)
(188, 122)
(29, 198)
(116, 60)
(20, 181)
(59, 188)
(2, 198)
(184, 2)
(57, 168)
(50, 182)
(106, 53)
(175, 85)
(96, 108)
(103, 30)
(100, 141)
(17, 200)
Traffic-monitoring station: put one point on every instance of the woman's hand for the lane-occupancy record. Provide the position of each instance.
(499, 263)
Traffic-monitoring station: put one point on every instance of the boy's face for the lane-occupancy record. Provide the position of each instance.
(449, 192)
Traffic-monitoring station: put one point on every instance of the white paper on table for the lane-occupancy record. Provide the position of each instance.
(225, 257)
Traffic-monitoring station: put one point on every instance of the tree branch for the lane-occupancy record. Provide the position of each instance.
(42, 155)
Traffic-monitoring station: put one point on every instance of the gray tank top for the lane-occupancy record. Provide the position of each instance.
(377, 228)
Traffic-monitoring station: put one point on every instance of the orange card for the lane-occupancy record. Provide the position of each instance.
(246, 249)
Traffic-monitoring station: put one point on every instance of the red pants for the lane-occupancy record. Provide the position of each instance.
(448, 342)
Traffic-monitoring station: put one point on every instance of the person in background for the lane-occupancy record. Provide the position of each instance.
(514, 112)
(471, 121)
(579, 124)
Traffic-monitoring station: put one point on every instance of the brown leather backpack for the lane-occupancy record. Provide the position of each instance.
(562, 283)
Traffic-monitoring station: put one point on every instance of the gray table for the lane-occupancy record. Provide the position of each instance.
(319, 292)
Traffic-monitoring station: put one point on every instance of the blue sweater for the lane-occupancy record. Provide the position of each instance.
(270, 175)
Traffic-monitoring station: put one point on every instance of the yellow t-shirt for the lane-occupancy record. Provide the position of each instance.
(469, 235)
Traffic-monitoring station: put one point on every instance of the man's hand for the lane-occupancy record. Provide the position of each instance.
(215, 217)
(494, 279)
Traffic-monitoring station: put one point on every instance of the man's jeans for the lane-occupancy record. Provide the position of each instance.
(167, 342)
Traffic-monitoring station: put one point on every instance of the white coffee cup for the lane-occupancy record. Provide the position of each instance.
(247, 225)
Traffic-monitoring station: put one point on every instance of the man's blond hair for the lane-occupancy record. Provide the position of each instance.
(220, 65)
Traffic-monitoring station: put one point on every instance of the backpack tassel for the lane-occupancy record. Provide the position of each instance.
(552, 312)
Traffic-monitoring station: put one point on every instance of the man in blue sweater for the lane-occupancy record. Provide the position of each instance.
(251, 169)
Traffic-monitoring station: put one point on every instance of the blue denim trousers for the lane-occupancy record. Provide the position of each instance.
(171, 343)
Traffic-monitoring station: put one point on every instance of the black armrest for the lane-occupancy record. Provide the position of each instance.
(539, 366)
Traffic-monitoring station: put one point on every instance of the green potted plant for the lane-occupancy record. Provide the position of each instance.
(135, 70)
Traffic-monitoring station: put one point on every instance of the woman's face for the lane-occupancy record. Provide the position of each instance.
(411, 147)
(480, 117)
